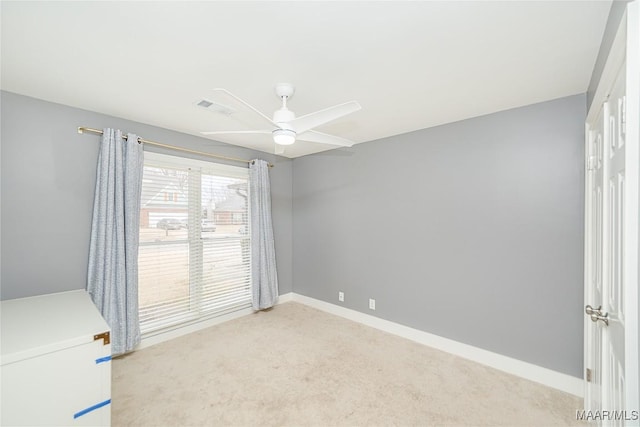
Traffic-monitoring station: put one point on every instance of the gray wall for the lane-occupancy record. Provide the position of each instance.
(47, 186)
(471, 230)
(613, 22)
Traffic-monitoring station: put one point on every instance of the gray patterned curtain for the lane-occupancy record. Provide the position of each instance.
(264, 276)
(113, 252)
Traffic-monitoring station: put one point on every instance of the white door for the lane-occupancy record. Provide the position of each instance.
(611, 244)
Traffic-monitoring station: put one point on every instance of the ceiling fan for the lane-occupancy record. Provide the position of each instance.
(285, 128)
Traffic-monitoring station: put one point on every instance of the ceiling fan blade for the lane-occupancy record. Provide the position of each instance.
(229, 132)
(323, 138)
(246, 104)
(312, 120)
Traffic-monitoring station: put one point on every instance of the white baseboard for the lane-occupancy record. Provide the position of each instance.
(557, 380)
(285, 298)
(547, 377)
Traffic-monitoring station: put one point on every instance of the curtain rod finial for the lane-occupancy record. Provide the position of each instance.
(80, 129)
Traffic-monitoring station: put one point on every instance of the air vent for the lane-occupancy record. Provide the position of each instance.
(205, 104)
(215, 107)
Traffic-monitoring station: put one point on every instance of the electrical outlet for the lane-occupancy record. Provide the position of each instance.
(372, 304)
(341, 296)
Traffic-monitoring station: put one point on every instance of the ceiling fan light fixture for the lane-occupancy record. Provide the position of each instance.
(284, 136)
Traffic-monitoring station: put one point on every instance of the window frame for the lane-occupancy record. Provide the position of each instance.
(195, 241)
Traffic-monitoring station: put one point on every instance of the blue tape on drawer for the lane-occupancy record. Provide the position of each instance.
(91, 408)
(103, 359)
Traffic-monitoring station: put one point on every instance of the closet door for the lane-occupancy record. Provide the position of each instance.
(611, 234)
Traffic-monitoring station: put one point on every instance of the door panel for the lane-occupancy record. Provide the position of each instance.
(606, 233)
(594, 250)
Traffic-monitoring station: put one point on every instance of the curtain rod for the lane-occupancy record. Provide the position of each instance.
(82, 129)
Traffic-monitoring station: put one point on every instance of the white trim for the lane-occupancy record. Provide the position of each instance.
(285, 298)
(617, 56)
(588, 235)
(547, 377)
(632, 208)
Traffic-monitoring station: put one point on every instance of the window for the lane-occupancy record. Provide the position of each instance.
(189, 267)
(170, 196)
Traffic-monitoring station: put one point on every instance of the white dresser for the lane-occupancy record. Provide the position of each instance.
(55, 362)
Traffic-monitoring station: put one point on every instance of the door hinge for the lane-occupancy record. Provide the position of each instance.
(592, 161)
(105, 337)
(588, 375)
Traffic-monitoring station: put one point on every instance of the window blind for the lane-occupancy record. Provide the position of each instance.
(194, 253)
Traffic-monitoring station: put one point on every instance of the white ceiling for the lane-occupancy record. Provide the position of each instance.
(411, 65)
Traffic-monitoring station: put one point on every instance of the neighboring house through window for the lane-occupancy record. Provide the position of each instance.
(191, 267)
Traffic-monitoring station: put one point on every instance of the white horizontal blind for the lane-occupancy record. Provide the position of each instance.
(194, 255)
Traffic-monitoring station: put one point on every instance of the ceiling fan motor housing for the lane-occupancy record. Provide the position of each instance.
(282, 117)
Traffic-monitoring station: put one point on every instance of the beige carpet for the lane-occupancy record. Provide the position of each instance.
(297, 366)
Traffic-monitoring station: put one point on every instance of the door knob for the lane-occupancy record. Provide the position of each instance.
(596, 314)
